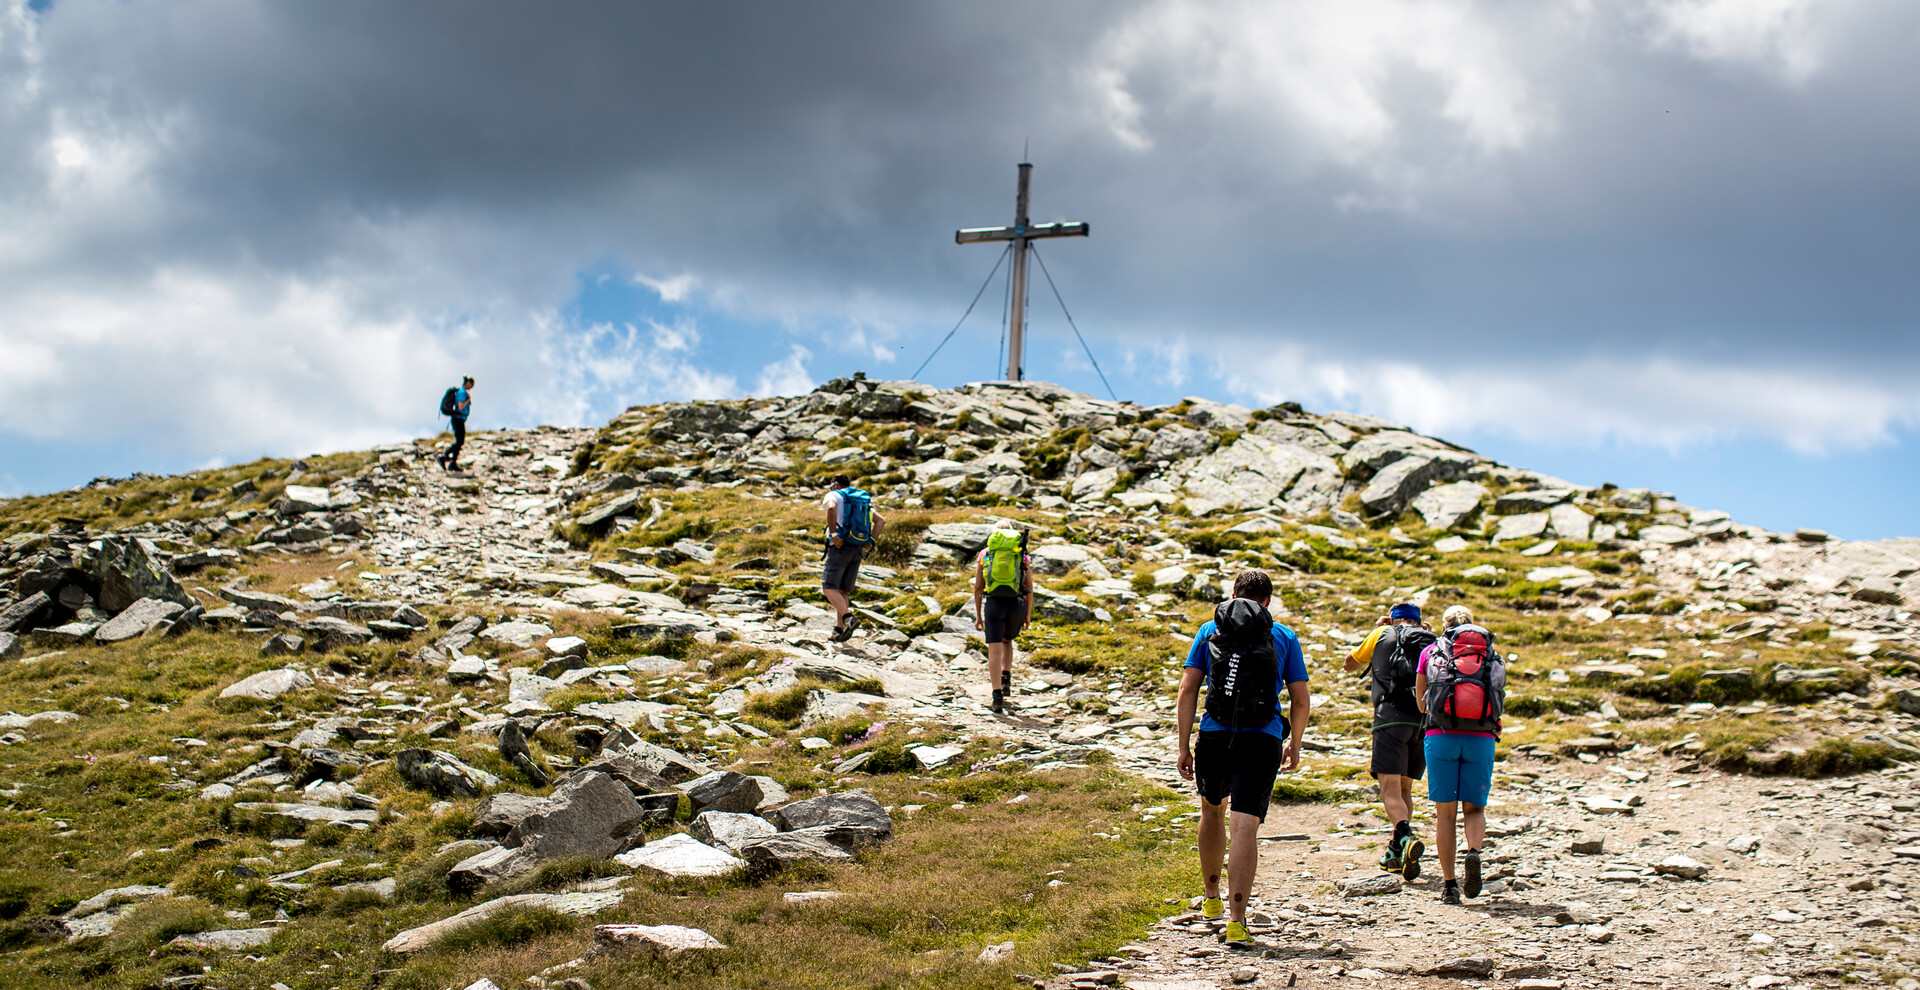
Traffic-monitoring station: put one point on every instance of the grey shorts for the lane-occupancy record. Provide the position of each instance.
(1003, 618)
(1399, 750)
(842, 568)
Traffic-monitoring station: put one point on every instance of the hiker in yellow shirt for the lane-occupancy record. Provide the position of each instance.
(1391, 656)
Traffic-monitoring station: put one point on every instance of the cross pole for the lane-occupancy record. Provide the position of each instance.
(1020, 233)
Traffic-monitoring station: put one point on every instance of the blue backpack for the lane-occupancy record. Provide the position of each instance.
(856, 517)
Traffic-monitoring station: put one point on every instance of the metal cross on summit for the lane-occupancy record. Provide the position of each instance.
(1020, 233)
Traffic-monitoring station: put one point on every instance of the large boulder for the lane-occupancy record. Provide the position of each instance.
(301, 499)
(1395, 485)
(131, 569)
(518, 634)
(136, 619)
(681, 855)
(663, 763)
(1256, 471)
(722, 790)
(855, 807)
(443, 773)
(10, 648)
(728, 831)
(590, 814)
(500, 813)
(1051, 604)
(26, 613)
(785, 849)
(1447, 506)
(649, 940)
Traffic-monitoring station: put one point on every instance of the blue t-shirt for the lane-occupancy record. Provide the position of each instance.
(461, 404)
(1293, 669)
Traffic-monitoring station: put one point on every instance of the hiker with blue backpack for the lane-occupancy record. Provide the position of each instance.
(852, 527)
(1391, 656)
(1247, 662)
(455, 404)
(1002, 604)
(1462, 687)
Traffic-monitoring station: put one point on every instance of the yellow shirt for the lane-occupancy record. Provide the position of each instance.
(1363, 654)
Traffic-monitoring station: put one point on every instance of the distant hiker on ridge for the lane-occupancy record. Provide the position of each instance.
(852, 526)
(1003, 573)
(1391, 656)
(1462, 686)
(1247, 661)
(455, 405)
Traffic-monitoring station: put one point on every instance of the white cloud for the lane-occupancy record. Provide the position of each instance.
(673, 289)
(1318, 83)
(1657, 402)
(1780, 36)
(787, 376)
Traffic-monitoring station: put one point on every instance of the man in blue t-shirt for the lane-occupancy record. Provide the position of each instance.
(462, 405)
(1240, 763)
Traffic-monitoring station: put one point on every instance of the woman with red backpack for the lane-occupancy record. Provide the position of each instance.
(1461, 687)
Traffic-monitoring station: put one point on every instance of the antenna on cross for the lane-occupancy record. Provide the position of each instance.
(1021, 233)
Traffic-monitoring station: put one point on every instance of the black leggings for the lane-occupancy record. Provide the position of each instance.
(459, 438)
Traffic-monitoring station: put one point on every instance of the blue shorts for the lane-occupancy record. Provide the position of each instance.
(1459, 768)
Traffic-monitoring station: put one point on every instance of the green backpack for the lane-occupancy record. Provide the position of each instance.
(1003, 561)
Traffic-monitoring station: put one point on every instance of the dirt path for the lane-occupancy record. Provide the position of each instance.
(1821, 897)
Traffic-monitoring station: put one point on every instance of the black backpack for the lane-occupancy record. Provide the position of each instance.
(450, 403)
(1397, 664)
(1243, 668)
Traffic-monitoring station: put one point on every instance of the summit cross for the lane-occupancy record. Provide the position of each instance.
(1020, 234)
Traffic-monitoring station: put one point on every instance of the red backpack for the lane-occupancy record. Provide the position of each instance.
(1466, 682)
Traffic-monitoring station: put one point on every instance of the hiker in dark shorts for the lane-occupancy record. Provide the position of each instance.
(1460, 748)
(851, 528)
(1239, 761)
(456, 405)
(1002, 604)
(1391, 656)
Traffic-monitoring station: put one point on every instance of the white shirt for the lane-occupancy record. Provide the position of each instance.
(836, 504)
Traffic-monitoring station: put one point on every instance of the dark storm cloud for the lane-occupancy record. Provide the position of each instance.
(231, 191)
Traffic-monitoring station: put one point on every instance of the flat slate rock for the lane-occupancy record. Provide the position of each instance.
(681, 855)
(136, 619)
(579, 904)
(651, 940)
(269, 684)
(231, 940)
(354, 818)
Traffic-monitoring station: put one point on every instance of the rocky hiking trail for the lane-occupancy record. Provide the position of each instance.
(573, 714)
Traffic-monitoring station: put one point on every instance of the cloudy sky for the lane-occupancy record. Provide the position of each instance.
(1668, 243)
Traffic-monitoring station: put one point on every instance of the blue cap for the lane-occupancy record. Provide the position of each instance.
(1411, 613)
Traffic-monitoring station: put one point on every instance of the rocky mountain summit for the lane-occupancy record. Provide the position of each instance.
(426, 721)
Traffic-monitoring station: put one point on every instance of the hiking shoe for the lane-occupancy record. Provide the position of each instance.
(1473, 873)
(1006, 681)
(1212, 907)
(841, 630)
(1236, 934)
(999, 702)
(1410, 852)
(853, 622)
(1390, 860)
(1451, 895)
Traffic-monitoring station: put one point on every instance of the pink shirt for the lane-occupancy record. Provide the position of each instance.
(1425, 655)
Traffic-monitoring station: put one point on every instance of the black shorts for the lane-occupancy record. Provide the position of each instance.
(842, 568)
(1400, 750)
(1003, 617)
(1241, 765)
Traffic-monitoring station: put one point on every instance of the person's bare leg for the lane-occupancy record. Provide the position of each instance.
(1476, 826)
(999, 658)
(1213, 843)
(1243, 860)
(1394, 796)
(841, 603)
(1444, 816)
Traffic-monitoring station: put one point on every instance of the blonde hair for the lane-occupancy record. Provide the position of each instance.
(1456, 615)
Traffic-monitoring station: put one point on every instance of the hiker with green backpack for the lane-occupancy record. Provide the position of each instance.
(1002, 604)
(852, 527)
(1391, 657)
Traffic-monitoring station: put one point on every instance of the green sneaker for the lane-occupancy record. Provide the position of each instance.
(1212, 907)
(1410, 859)
(1390, 860)
(1237, 934)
